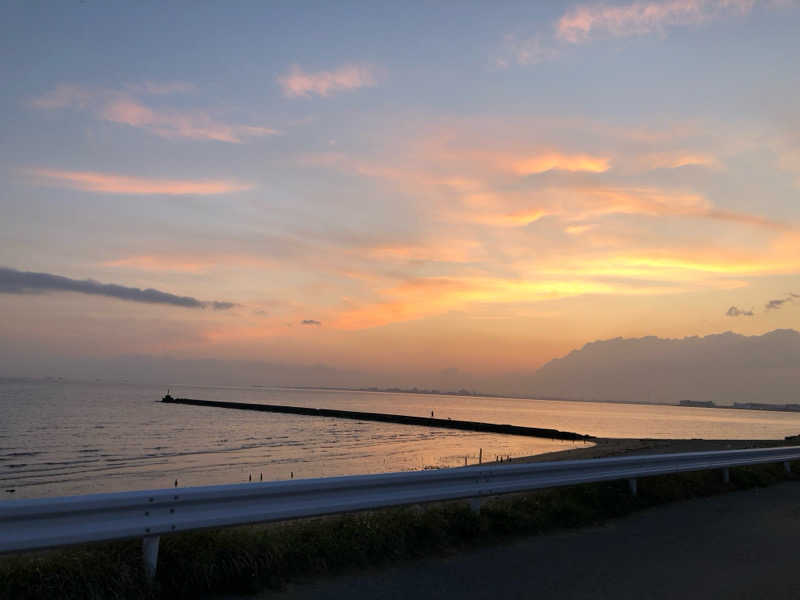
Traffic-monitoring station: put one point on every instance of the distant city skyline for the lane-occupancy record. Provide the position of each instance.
(394, 190)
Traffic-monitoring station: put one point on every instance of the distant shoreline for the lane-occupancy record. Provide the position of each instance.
(462, 392)
(474, 394)
(755, 406)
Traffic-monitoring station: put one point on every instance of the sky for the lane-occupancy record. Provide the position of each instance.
(398, 189)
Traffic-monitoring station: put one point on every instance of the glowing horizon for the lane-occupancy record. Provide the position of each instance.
(483, 194)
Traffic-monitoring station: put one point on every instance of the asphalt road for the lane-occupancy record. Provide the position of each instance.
(736, 545)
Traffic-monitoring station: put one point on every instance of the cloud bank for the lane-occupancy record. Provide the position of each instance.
(26, 282)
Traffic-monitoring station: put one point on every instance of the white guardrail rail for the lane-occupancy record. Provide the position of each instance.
(51, 522)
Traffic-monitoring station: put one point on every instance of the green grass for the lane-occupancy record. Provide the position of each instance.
(248, 559)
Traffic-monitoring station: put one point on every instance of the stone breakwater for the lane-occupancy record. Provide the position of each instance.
(553, 434)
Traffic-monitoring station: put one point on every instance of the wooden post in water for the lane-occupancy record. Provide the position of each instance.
(480, 456)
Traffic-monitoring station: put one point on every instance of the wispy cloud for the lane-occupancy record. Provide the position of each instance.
(587, 208)
(111, 183)
(588, 21)
(300, 83)
(598, 20)
(779, 302)
(65, 96)
(312, 322)
(172, 124)
(421, 297)
(677, 160)
(125, 108)
(485, 185)
(25, 282)
(554, 161)
(156, 263)
(526, 51)
(737, 312)
(159, 88)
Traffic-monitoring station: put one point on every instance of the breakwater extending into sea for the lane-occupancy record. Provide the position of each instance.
(551, 434)
(61, 437)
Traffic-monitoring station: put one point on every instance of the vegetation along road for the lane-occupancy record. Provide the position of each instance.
(737, 545)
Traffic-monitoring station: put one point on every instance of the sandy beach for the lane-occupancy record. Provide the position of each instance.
(605, 447)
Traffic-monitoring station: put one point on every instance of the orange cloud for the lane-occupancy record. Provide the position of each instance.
(657, 203)
(186, 263)
(552, 161)
(579, 229)
(477, 181)
(453, 250)
(157, 263)
(300, 83)
(515, 219)
(517, 160)
(640, 18)
(139, 186)
(423, 297)
(675, 160)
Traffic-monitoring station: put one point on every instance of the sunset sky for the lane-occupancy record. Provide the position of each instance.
(394, 187)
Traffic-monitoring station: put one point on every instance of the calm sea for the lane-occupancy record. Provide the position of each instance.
(59, 438)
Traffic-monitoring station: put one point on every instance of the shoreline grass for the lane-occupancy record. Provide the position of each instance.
(247, 559)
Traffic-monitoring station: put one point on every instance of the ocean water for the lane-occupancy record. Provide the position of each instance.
(63, 438)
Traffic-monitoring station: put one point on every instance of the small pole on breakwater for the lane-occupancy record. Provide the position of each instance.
(176, 483)
(465, 461)
(480, 456)
(261, 478)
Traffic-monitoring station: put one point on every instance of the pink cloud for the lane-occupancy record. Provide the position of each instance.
(65, 96)
(175, 124)
(110, 183)
(300, 83)
(640, 18)
(124, 108)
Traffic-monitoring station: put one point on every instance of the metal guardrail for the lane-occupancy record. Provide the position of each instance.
(51, 522)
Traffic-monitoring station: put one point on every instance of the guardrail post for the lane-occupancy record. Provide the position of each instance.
(475, 505)
(632, 485)
(150, 555)
(726, 475)
(787, 466)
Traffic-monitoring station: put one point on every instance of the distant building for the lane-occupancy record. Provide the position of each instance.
(764, 406)
(697, 403)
